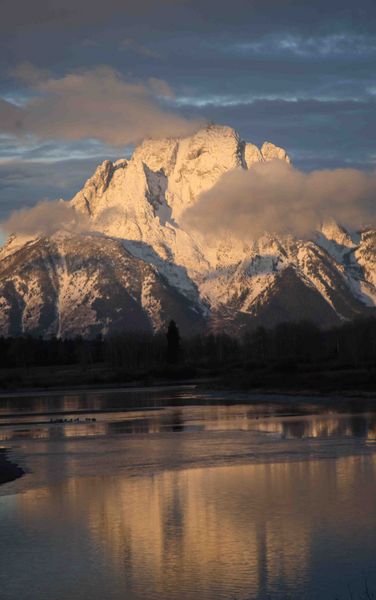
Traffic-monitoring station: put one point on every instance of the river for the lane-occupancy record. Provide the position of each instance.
(179, 494)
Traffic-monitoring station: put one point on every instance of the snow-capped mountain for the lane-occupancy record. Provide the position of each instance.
(135, 266)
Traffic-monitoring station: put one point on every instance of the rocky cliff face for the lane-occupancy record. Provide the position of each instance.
(87, 284)
(138, 267)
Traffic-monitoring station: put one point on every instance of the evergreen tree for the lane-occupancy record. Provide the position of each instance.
(173, 342)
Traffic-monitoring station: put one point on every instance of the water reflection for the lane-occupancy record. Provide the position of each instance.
(255, 531)
(273, 420)
(76, 402)
(114, 508)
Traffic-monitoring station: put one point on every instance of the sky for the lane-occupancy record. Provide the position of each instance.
(85, 80)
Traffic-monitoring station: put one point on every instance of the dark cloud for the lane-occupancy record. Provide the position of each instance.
(11, 117)
(299, 12)
(297, 72)
(46, 13)
(133, 45)
(316, 133)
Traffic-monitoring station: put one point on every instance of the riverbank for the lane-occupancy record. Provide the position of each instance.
(282, 377)
(299, 379)
(96, 376)
(8, 469)
(303, 381)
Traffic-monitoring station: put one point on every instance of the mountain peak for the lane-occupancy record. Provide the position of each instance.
(270, 151)
(142, 199)
(135, 265)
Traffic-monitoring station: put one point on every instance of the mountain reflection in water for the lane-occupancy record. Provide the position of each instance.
(181, 408)
(173, 495)
(249, 531)
(184, 419)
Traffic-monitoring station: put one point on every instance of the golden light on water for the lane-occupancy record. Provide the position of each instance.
(245, 527)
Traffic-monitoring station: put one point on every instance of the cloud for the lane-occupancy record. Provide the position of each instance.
(44, 13)
(278, 198)
(330, 45)
(318, 134)
(11, 117)
(97, 103)
(45, 218)
(263, 15)
(23, 182)
(28, 73)
(129, 43)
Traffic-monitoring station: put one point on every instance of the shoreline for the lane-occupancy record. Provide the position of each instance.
(210, 385)
(9, 471)
(271, 380)
(298, 393)
(136, 386)
(204, 384)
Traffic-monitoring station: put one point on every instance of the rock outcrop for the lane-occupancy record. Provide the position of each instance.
(137, 266)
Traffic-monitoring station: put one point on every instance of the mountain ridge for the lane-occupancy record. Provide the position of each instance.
(137, 266)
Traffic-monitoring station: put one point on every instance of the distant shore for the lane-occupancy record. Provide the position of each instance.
(275, 378)
(208, 385)
(8, 469)
(109, 388)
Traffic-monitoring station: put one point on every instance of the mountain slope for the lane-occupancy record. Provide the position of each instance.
(85, 284)
(136, 267)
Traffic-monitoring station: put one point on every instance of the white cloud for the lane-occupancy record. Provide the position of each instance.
(45, 218)
(335, 45)
(278, 198)
(93, 104)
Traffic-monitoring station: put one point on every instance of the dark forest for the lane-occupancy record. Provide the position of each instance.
(289, 356)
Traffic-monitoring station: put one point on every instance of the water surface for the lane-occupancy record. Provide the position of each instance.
(176, 494)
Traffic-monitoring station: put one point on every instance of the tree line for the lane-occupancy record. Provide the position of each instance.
(352, 344)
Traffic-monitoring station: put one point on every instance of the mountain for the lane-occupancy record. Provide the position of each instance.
(135, 266)
(68, 284)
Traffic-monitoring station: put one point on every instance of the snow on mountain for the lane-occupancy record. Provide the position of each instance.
(86, 284)
(143, 199)
(138, 267)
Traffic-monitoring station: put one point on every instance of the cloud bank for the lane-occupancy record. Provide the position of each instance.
(270, 197)
(278, 198)
(39, 13)
(45, 218)
(97, 103)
